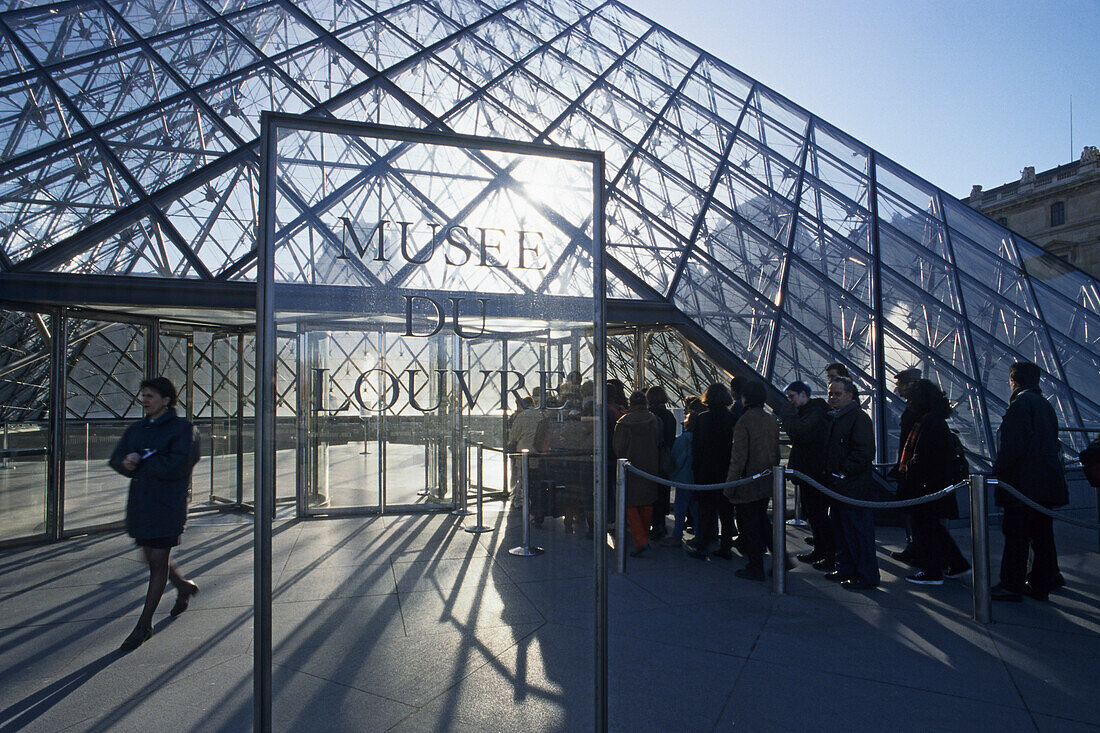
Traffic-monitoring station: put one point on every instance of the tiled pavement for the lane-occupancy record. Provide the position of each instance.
(411, 624)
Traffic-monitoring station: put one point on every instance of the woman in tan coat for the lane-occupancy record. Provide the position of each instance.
(637, 439)
(755, 449)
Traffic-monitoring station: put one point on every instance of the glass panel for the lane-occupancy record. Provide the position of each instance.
(107, 88)
(54, 34)
(106, 363)
(24, 422)
(30, 116)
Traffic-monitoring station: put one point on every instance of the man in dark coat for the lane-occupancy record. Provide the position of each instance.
(1029, 458)
(805, 421)
(849, 455)
(713, 442)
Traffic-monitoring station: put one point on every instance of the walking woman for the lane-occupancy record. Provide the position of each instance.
(157, 453)
(925, 467)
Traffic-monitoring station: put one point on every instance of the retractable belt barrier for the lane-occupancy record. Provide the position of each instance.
(978, 519)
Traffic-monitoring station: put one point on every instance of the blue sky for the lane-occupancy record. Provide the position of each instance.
(959, 92)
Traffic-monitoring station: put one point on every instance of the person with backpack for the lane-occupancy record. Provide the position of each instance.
(157, 453)
(931, 459)
(682, 455)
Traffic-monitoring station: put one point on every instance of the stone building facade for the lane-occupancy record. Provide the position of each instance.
(1058, 209)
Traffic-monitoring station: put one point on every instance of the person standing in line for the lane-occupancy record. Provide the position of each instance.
(849, 455)
(1029, 458)
(925, 466)
(658, 400)
(682, 473)
(755, 449)
(903, 386)
(805, 421)
(157, 454)
(736, 408)
(637, 436)
(836, 371)
(710, 464)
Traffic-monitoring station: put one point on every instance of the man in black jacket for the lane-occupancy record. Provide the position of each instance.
(849, 455)
(1029, 458)
(805, 421)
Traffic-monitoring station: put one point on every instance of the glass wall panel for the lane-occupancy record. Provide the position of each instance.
(105, 364)
(433, 294)
(24, 422)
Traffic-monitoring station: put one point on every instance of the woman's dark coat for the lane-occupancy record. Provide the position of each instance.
(637, 437)
(1029, 456)
(806, 427)
(850, 452)
(712, 443)
(930, 468)
(157, 504)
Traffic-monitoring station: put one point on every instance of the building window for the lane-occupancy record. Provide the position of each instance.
(1058, 213)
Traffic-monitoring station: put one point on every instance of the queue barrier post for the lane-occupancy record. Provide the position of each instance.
(779, 530)
(461, 501)
(6, 463)
(620, 516)
(798, 521)
(479, 527)
(525, 550)
(979, 538)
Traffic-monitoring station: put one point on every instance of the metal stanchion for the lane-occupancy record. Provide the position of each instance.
(798, 521)
(979, 538)
(620, 516)
(427, 467)
(525, 550)
(6, 464)
(463, 488)
(479, 527)
(779, 531)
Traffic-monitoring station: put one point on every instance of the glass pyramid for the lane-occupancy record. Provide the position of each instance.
(130, 148)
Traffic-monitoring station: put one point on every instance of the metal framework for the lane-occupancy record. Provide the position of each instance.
(775, 242)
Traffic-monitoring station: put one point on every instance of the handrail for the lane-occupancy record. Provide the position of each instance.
(697, 487)
(1039, 507)
(901, 504)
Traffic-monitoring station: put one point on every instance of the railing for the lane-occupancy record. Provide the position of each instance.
(979, 528)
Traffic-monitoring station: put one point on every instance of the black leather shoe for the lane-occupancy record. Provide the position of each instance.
(1059, 581)
(906, 556)
(723, 552)
(696, 553)
(857, 584)
(1032, 592)
(748, 574)
(137, 637)
(826, 565)
(809, 557)
(809, 541)
(1000, 593)
(837, 577)
(183, 598)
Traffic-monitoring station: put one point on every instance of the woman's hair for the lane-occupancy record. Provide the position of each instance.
(616, 393)
(162, 386)
(926, 396)
(637, 399)
(753, 394)
(717, 395)
(656, 395)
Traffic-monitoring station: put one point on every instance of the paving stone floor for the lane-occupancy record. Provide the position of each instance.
(411, 624)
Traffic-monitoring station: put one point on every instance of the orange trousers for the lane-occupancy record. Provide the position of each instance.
(638, 519)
